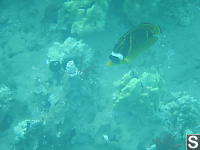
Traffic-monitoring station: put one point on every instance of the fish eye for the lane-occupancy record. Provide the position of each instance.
(114, 59)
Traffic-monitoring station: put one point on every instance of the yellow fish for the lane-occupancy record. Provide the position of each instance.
(133, 43)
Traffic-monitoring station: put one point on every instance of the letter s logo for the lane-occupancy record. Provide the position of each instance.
(193, 140)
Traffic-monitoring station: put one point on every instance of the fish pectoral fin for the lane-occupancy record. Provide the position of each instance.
(109, 63)
(126, 60)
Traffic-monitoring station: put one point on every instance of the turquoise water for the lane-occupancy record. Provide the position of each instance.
(57, 93)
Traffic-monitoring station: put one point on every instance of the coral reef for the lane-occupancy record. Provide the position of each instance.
(69, 102)
(182, 113)
(166, 141)
(85, 17)
(71, 53)
(136, 104)
(142, 99)
(47, 127)
(142, 93)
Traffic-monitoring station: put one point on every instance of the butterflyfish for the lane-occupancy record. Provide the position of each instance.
(133, 42)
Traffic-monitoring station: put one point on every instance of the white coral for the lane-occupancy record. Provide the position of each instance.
(71, 49)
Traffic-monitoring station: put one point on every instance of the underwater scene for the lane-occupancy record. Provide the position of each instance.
(99, 74)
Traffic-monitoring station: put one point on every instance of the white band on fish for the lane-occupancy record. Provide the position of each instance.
(118, 55)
